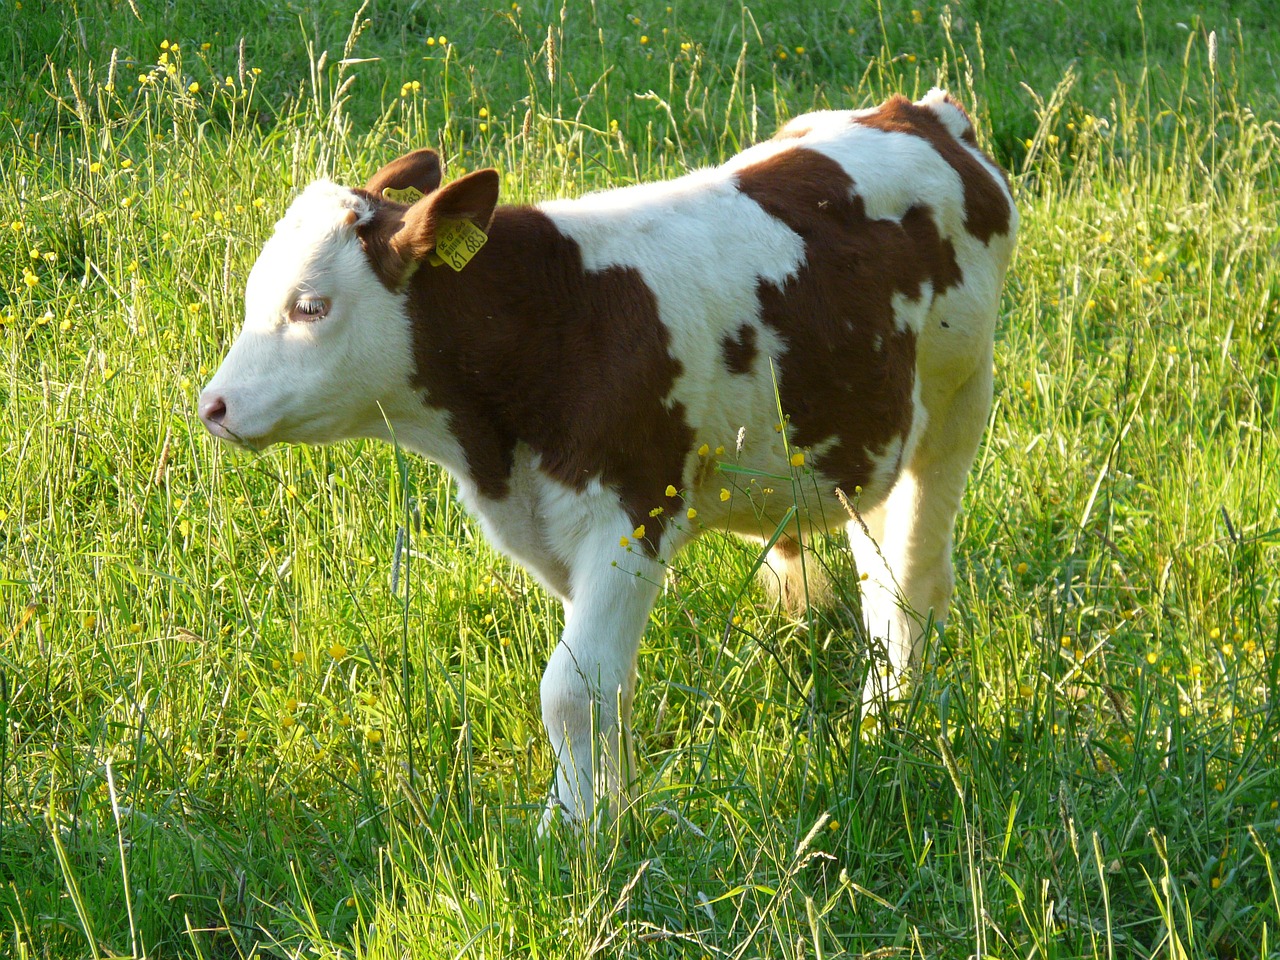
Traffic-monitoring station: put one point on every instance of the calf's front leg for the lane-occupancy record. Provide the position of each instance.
(589, 682)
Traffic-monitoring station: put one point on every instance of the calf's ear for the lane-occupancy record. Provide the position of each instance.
(472, 197)
(408, 179)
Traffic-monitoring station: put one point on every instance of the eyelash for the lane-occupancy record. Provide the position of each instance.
(308, 308)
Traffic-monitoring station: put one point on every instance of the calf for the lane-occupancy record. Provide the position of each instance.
(819, 310)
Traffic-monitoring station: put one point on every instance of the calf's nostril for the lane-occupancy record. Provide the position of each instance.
(213, 410)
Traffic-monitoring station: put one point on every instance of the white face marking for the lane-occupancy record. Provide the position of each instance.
(325, 348)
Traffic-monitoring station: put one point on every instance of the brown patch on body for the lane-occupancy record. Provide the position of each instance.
(526, 346)
(834, 382)
(740, 352)
(986, 208)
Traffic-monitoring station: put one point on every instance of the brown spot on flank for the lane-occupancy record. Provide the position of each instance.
(834, 382)
(526, 346)
(740, 352)
(986, 207)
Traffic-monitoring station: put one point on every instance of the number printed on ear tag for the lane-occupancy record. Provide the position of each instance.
(406, 195)
(457, 241)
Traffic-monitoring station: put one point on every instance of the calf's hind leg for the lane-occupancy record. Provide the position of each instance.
(903, 546)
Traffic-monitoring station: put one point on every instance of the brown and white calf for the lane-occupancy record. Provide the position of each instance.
(831, 292)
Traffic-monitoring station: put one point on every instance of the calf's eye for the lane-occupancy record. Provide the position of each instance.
(309, 308)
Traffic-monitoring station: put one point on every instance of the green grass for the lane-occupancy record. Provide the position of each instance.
(225, 735)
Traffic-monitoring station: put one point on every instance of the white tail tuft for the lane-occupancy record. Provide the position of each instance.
(949, 111)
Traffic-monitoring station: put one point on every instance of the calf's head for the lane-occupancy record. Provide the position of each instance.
(325, 350)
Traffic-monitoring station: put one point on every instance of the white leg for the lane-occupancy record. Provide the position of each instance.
(906, 549)
(882, 611)
(589, 682)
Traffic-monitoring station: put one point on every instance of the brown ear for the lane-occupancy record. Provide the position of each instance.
(472, 197)
(419, 170)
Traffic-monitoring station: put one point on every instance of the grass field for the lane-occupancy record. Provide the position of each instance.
(229, 730)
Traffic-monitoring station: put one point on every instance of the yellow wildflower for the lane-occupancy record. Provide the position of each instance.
(797, 459)
(671, 490)
(724, 494)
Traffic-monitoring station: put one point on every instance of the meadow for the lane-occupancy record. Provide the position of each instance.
(287, 704)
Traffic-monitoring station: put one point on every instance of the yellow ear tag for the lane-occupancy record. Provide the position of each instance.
(406, 195)
(457, 241)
